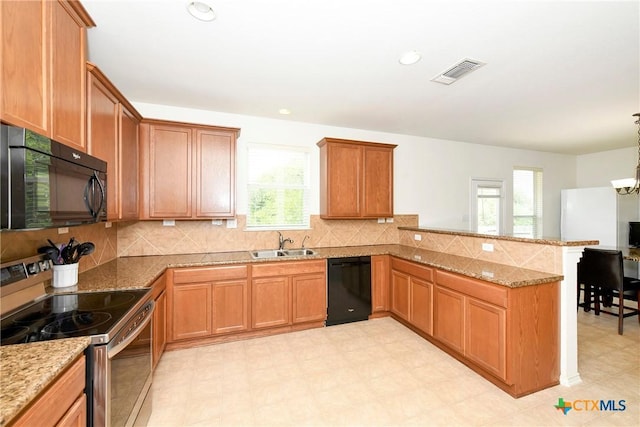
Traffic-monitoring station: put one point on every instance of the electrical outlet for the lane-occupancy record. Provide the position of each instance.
(216, 222)
(63, 230)
(108, 224)
(232, 223)
(380, 220)
(417, 237)
(488, 247)
(389, 220)
(168, 222)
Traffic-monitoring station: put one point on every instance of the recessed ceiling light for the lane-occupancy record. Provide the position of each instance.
(410, 58)
(202, 10)
(284, 111)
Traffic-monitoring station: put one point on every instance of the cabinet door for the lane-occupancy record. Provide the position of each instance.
(215, 173)
(76, 416)
(486, 336)
(449, 318)
(230, 306)
(380, 283)
(378, 182)
(191, 310)
(170, 172)
(400, 294)
(102, 119)
(343, 181)
(128, 160)
(270, 302)
(159, 327)
(309, 298)
(421, 312)
(25, 69)
(67, 76)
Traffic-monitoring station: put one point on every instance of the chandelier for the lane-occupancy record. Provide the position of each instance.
(630, 185)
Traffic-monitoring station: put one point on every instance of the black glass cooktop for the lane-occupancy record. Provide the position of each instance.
(68, 315)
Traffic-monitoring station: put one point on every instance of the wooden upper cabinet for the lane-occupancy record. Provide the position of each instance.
(186, 171)
(215, 173)
(43, 56)
(128, 159)
(356, 179)
(112, 135)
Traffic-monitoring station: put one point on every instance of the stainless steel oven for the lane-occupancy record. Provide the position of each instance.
(121, 371)
(118, 323)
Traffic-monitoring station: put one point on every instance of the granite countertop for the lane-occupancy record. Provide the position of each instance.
(27, 369)
(554, 241)
(141, 272)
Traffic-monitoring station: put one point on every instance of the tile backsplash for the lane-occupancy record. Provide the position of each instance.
(152, 238)
(534, 256)
(25, 243)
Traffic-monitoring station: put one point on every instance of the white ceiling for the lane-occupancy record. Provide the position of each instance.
(561, 76)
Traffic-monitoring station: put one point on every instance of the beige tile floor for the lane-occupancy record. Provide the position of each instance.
(380, 373)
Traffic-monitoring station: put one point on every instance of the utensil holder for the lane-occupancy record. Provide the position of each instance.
(65, 275)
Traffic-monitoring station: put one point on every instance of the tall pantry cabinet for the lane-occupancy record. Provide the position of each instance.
(43, 51)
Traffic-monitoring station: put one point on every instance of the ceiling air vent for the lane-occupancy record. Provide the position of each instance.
(458, 70)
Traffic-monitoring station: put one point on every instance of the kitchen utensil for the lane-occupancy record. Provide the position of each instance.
(68, 252)
(83, 249)
(52, 253)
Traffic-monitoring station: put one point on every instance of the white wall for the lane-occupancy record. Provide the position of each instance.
(432, 176)
(598, 169)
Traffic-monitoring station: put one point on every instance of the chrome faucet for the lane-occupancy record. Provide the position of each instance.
(282, 241)
(303, 240)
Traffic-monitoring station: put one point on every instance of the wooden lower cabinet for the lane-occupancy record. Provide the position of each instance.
(486, 340)
(412, 293)
(421, 305)
(400, 294)
(380, 273)
(62, 404)
(288, 293)
(449, 318)
(207, 301)
(270, 302)
(159, 322)
(508, 335)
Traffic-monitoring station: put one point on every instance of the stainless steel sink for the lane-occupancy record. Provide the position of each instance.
(275, 253)
(298, 252)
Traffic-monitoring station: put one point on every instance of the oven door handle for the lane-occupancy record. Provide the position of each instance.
(131, 330)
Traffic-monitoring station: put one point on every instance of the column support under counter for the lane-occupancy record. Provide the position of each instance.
(569, 374)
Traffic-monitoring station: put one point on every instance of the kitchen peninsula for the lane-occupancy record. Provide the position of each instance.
(544, 254)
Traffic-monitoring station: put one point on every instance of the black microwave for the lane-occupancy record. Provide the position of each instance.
(48, 184)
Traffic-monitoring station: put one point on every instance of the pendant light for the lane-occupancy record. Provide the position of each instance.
(630, 185)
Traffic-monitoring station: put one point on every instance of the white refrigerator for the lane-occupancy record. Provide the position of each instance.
(599, 214)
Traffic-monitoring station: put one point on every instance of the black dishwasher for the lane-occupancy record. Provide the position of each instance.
(349, 288)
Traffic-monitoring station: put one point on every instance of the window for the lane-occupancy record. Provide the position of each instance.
(278, 187)
(527, 202)
(486, 206)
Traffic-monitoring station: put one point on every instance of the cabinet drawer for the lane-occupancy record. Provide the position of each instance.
(288, 268)
(412, 269)
(488, 292)
(209, 274)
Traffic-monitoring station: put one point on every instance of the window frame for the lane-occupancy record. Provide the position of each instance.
(537, 203)
(306, 187)
(477, 183)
